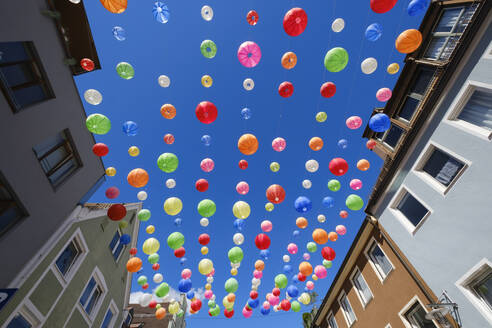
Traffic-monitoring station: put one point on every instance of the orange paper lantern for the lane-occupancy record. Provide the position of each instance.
(408, 41)
(301, 222)
(332, 236)
(160, 313)
(247, 144)
(316, 143)
(259, 265)
(320, 236)
(134, 264)
(289, 60)
(363, 165)
(115, 6)
(138, 178)
(168, 111)
(305, 268)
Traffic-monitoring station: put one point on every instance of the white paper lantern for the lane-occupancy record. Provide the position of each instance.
(369, 65)
(158, 278)
(142, 195)
(145, 299)
(248, 84)
(338, 25)
(321, 218)
(164, 81)
(238, 238)
(207, 13)
(93, 97)
(286, 258)
(306, 184)
(170, 183)
(204, 222)
(312, 165)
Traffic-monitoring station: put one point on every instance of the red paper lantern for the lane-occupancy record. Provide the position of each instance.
(201, 185)
(382, 6)
(338, 166)
(295, 21)
(252, 17)
(343, 214)
(228, 314)
(275, 194)
(206, 112)
(262, 241)
(328, 89)
(370, 144)
(204, 239)
(301, 277)
(285, 89)
(196, 305)
(152, 304)
(253, 294)
(112, 192)
(116, 212)
(243, 164)
(133, 251)
(180, 252)
(145, 286)
(87, 64)
(328, 253)
(169, 139)
(156, 266)
(100, 149)
(276, 291)
(285, 305)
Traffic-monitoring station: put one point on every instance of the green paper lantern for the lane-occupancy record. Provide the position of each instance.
(208, 49)
(153, 258)
(123, 225)
(311, 247)
(336, 59)
(281, 281)
(125, 70)
(327, 264)
(180, 313)
(235, 255)
(231, 285)
(143, 215)
(142, 280)
(211, 304)
(215, 311)
(162, 290)
(168, 162)
(321, 117)
(206, 208)
(295, 306)
(175, 240)
(354, 202)
(334, 185)
(274, 167)
(98, 124)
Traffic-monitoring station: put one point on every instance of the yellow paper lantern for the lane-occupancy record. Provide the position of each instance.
(241, 210)
(173, 206)
(393, 68)
(133, 151)
(173, 308)
(204, 250)
(208, 286)
(205, 266)
(150, 229)
(151, 246)
(269, 207)
(110, 171)
(207, 81)
(233, 271)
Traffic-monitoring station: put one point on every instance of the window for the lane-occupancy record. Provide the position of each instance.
(391, 136)
(116, 246)
(107, 318)
(380, 261)
(11, 210)
(57, 157)
(412, 209)
(448, 31)
(416, 317)
(347, 310)
(128, 319)
(91, 296)
(68, 257)
(26, 317)
(22, 78)
(482, 287)
(478, 109)
(332, 323)
(362, 288)
(416, 94)
(19, 321)
(442, 167)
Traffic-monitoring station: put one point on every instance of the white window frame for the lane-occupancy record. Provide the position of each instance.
(387, 326)
(29, 312)
(374, 266)
(464, 282)
(347, 321)
(79, 239)
(99, 278)
(330, 315)
(358, 291)
(407, 307)
(459, 103)
(112, 306)
(488, 52)
(417, 168)
(116, 246)
(406, 223)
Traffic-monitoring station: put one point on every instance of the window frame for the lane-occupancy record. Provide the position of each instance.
(407, 224)
(69, 145)
(118, 231)
(484, 266)
(488, 52)
(37, 69)
(382, 141)
(100, 282)
(113, 308)
(79, 240)
(347, 320)
(331, 316)
(16, 201)
(402, 314)
(421, 161)
(374, 265)
(459, 104)
(358, 291)
(29, 312)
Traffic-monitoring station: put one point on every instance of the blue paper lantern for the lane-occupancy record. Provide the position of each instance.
(177, 222)
(264, 311)
(182, 261)
(161, 12)
(380, 122)
(295, 233)
(265, 253)
(302, 204)
(287, 268)
(125, 239)
(342, 143)
(130, 128)
(119, 33)
(329, 202)
(253, 303)
(206, 139)
(239, 224)
(374, 32)
(292, 291)
(246, 113)
(184, 285)
(417, 7)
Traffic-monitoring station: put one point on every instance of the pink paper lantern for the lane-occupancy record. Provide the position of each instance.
(112, 192)
(186, 273)
(353, 122)
(247, 313)
(207, 165)
(257, 274)
(292, 248)
(266, 226)
(249, 54)
(306, 256)
(208, 294)
(242, 188)
(355, 184)
(341, 230)
(310, 285)
(273, 300)
(320, 271)
(279, 144)
(383, 94)
(266, 305)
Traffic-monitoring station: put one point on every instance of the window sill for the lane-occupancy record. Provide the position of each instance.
(471, 129)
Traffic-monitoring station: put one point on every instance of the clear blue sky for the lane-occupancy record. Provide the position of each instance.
(173, 49)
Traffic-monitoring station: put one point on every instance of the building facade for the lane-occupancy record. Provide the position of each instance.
(81, 279)
(433, 195)
(376, 287)
(47, 164)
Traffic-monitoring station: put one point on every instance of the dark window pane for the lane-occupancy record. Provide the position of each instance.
(128, 319)
(113, 242)
(30, 95)
(448, 19)
(416, 316)
(408, 108)
(87, 291)
(93, 301)
(380, 259)
(379, 135)
(413, 210)
(422, 82)
(62, 172)
(442, 167)
(12, 52)
(9, 216)
(107, 319)
(435, 46)
(118, 250)
(18, 74)
(54, 158)
(67, 258)
(393, 136)
(478, 110)
(484, 290)
(49, 143)
(19, 322)
(10, 210)
(466, 18)
(448, 50)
